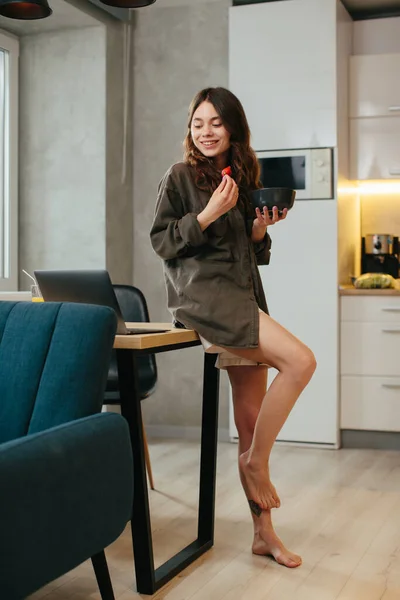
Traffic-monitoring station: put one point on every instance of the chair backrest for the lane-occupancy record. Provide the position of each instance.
(132, 303)
(54, 361)
(134, 309)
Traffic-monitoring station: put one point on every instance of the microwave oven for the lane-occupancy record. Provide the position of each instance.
(309, 171)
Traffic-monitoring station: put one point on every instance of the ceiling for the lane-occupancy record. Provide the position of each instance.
(370, 8)
(354, 6)
(171, 3)
(359, 9)
(84, 13)
(374, 4)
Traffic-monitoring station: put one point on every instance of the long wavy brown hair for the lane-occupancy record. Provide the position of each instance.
(242, 159)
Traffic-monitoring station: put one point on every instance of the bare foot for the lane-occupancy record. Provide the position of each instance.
(267, 543)
(257, 484)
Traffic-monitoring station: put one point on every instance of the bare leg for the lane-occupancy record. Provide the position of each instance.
(295, 364)
(267, 543)
(248, 387)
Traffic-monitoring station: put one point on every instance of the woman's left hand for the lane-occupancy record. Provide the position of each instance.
(264, 220)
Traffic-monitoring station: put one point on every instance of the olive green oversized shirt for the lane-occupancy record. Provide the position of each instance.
(212, 279)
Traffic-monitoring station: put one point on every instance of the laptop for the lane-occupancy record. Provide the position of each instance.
(87, 287)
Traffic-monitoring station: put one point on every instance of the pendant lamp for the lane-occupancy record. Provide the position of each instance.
(25, 10)
(128, 3)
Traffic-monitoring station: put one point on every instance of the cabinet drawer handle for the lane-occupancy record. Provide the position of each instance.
(394, 171)
(394, 108)
(391, 386)
(391, 309)
(390, 330)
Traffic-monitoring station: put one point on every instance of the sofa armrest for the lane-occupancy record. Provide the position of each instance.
(66, 493)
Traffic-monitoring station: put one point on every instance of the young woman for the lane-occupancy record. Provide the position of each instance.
(211, 241)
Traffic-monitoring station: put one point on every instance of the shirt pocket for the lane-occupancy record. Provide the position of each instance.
(222, 242)
(219, 228)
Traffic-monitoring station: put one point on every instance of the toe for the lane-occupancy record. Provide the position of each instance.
(288, 561)
(292, 563)
(295, 561)
(276, 501)
(267, 502)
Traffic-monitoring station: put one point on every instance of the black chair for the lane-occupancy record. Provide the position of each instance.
(134, 309)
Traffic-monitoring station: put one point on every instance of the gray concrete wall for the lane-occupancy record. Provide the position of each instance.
(75, 138)
(76, 205)
(178, 51)
(62, 150)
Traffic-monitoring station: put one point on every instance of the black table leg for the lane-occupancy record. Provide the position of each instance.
(149, 580)
(209, 439)
(140, 522)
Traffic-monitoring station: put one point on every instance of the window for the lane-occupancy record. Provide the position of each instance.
(8, 162)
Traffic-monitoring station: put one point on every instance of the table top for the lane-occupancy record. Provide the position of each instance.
(173, 336)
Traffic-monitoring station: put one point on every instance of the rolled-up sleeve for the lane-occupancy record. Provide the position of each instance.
(173, 232)
(262, 250)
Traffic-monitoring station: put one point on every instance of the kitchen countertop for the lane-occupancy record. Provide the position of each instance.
(350, 290)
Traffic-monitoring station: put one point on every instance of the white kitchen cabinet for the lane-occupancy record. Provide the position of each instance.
(375, 85)
(370, 403)
(375, 148)
(370, 348)
(369, 363)
(371, 309)
(282, 66)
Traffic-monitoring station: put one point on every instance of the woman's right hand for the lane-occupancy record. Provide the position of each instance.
(223, 199)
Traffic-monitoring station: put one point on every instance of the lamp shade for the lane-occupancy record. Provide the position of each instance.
(25, 9)
(128, 3)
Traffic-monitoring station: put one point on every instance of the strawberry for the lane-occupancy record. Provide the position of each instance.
(226, 171)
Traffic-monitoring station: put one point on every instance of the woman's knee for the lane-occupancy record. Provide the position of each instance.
(304, 365)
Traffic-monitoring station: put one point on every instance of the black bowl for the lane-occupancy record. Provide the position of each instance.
(270, 197)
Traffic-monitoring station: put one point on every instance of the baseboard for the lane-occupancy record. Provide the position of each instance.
(311, 445)
(376, 440)
(172, 431)
(181, 432)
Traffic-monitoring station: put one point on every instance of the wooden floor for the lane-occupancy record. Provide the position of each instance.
(340, 511)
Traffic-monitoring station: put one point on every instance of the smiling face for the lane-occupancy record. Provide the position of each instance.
(209, 134)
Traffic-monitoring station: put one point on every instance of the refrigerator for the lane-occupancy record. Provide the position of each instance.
(300, 285)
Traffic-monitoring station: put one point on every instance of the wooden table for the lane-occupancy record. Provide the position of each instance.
(129, 347)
